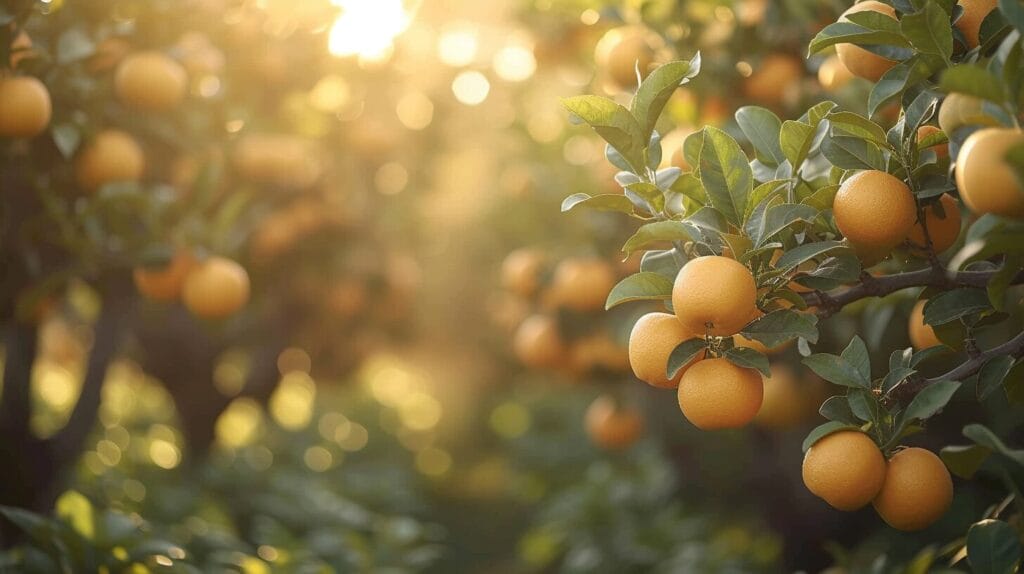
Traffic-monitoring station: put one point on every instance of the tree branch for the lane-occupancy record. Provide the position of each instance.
(830, 303)
(15, 401)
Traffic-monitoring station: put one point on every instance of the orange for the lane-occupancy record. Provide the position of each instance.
(833, 74)
(621, 51)
(113, 156)
(582, 284)
(845, 468)
(651, 341)
(164, 283)
(922, 335)
(150, 81)
(986, 181)
(598, 352)
(773, 79)
(943, 229)
(741, 341)
(277, 159)
(216, 288)
(538, 343)
(970, 21)
(874, 210)
(520, 272)
(788, 401)
(716, 394)
(917, 490)
(612, 426)
(859, 61)
(941, 150)
(109, 53)
(25, 107)
(716, 294)
(962, 110)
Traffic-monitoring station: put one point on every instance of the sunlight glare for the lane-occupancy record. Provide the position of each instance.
(367, 28)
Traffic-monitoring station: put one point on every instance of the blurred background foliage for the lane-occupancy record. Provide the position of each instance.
(372, 163)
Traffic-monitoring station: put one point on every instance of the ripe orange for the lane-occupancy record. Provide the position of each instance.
(970, 21)
(921, 334)
(651, 341)
(986, 182)
(874, 210)
(216, 288)
(777, 74)
(845, 468)
(788, 401)
(833, 74)
(612, 426)
(109, 53)
(962, 110)
(598, 352)
(716, 294)
(112, 156)
(621, 51)
(941, 150)
(582, 284)
(25, 107)
(943, 229)
(277, 159)
(164, 283)
(538, 343)
(716, 394)
(150, 81)
(741, 341)
(861, 62)
(917, 490)
(520, 272)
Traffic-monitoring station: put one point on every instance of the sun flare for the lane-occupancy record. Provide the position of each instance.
(368, 28)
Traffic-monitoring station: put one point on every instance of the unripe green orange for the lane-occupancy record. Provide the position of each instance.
(714, 294)
(716, 394)
(845, 468)
(917, 490)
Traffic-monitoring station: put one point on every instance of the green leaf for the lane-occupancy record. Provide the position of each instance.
(952, 305)
(780, 217)
(656, 232)
(899, 78)
(823, 198)
(642, 286)
(683, 354)
(837, 408)
(988, 439)
(864, 405)
(836, 370)
(605, 202)
(73, 46)
(965, 461)
(647, 195)
(930, 400)
(929, 30)
(993, 547)
(748, 359)
(856, 354)
(614, 123)
(655, 91)
(974, 81)
(895, 376)
(762, 128)
(851, 33)
(768, 189)
(1001, 281)
(791, 259)
(780, 326)
(859, 126)
(1013, 11)
(852, 153)
(796, 139)
(991, 375)
(725, 173)
(823, 430)
(67, 139)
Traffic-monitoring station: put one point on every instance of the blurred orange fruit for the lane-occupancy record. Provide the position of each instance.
(25, 107)
(112, 156)
(216, 288)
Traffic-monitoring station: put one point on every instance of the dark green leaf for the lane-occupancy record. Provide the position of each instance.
(725, 173)
(993, 547)
(656, 232)
(655, 91)
(952, 305)
(837, 408)
(780, 326)
(683, 354)
(974, 81)
(748, 359)
(856, 354)
(614, 123)
(823, 430)
(965, 461)
(992, 374)
(836, 370)
(929, 30)
(640, 287)
(794, 257)
(762, 128)
(930, 400)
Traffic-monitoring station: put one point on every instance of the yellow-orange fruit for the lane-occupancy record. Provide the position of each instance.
(25, 107)
(943, 229)
(861, 62)
(651, 341)
(788, 401)
(216, 288)
(716, 394)
(621, 51)
(963, 110)
(986, 182)
(833, 74)
(921, 334)
(846, 469)
(598, 351)
(741, 341)
(917, 490)
(520, 272)
(164, 283)
(974, 14)
(109, 53)
(538, 343)
(112, 156)
(714, 293)
(150, 81)
(582, 284)
(771, 81)
(941, 150)
(611, 426)
(278, 159)
(874, 210)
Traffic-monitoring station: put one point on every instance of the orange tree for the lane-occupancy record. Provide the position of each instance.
(769, 247)
(177, 162)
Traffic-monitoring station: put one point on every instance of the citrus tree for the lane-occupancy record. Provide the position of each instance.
(828, 210)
